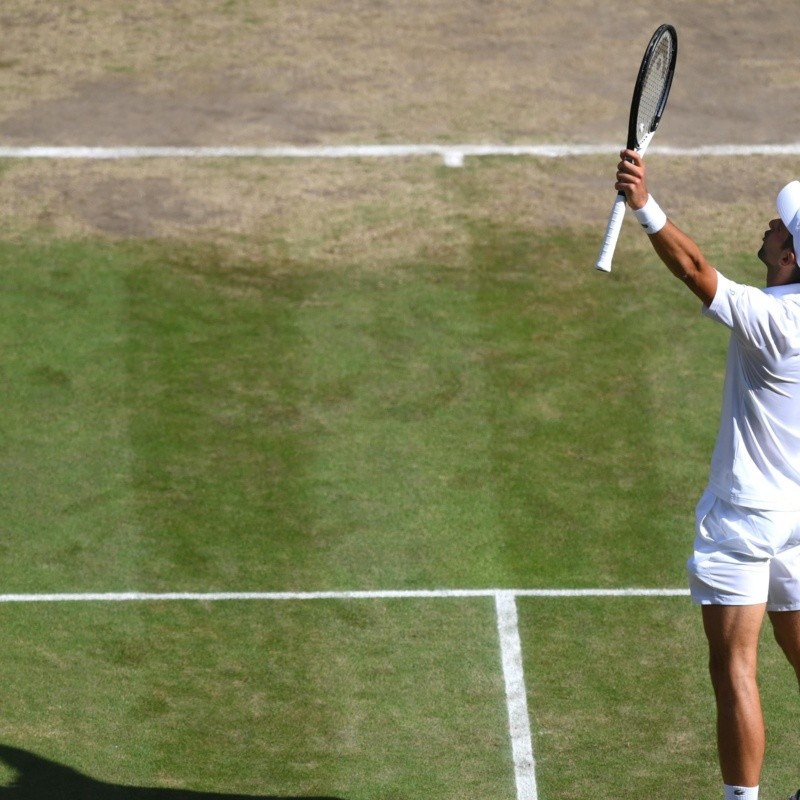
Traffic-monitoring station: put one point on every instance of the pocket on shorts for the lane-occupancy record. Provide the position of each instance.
(704, 506)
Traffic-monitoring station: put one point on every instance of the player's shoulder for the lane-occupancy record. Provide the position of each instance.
(757, 314)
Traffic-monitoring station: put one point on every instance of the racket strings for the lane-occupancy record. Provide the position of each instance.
(655, 82)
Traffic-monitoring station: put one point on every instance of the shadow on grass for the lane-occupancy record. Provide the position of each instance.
(40, 779)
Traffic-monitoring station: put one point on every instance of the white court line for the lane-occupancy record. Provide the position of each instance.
(452, 155)
(447, 152)
(519, 726)
(386, 594)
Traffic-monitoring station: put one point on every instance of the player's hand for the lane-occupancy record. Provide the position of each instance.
(631, 178)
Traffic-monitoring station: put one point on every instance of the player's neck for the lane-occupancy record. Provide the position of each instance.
(783, 277)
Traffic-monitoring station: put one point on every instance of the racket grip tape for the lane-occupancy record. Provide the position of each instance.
(613, 229)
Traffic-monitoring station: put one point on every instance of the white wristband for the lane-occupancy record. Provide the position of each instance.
(651, 217)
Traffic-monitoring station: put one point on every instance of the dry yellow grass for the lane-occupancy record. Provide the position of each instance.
(266, 73)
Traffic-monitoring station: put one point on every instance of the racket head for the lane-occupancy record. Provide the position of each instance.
(652, 86)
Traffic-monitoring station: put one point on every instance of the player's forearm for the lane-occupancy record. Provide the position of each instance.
(681, 255)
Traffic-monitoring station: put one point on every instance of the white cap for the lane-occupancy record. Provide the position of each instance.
(789, 210)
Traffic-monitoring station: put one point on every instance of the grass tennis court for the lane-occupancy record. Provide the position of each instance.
(458, 402)
(249, 375)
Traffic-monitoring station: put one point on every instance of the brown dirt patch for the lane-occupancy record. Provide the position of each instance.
(239, 72)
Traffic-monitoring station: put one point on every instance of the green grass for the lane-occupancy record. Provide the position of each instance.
(620, 699)
(628, 709)
(231, 698)
(179, 418)
(169, 419)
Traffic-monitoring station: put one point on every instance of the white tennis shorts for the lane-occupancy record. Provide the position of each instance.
(744, 556)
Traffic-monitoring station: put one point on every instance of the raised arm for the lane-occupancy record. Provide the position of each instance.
(679, 252)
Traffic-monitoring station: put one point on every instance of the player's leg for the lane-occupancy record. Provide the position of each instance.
(729, 575)
(784, 593)
(784, 598)
(733, 634)
(786, 627)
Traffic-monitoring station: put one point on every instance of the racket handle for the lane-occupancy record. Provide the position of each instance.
(613, 229)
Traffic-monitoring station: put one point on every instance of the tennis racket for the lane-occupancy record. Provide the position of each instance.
(649, 99)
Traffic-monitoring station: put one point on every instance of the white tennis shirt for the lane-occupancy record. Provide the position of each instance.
(756, 461)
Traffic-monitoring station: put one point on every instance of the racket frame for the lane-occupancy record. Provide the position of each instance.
(617, 216)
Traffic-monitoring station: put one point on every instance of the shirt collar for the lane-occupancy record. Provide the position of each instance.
(780, 291)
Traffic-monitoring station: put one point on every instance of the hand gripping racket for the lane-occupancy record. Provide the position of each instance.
(649, 99)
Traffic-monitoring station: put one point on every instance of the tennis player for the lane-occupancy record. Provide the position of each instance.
(746, 560)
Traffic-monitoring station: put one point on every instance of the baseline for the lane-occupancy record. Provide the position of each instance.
(452, 155)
